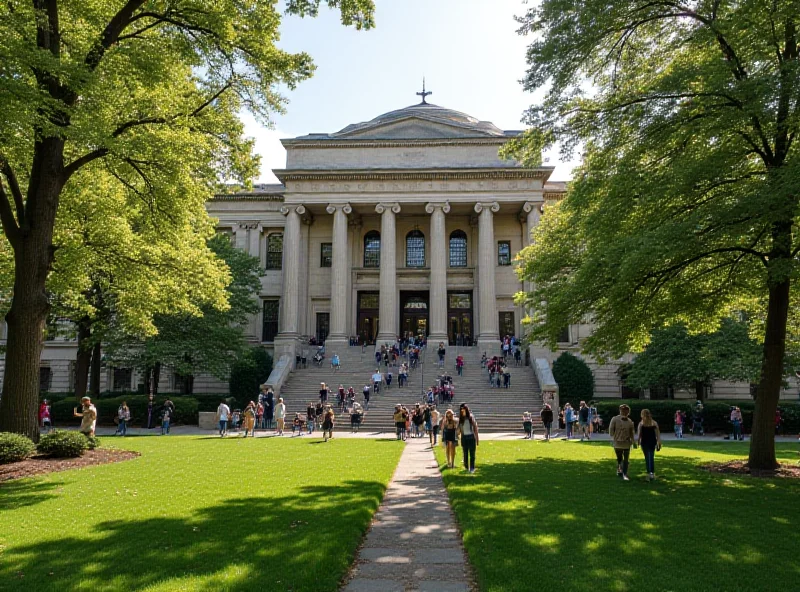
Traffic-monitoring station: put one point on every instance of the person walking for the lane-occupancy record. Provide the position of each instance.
(367, 394)
(435, 419)
(649, 439)
(324, 391)
(460, 364)
(399, 421)
(569, 419)
(260, 415)
(377, 378)
(583, 420)
(622, 434)
(223, 415)
(44, 415)
(280, 415)
(311, 415)
(547, 420)
(527, 425)
(123, 416)
(327, 424)
(88, 417)
(450, 437)
(468, 430)
(679, 423)
(736, 422)
(269, 409)
(441, 353)
(250, 419)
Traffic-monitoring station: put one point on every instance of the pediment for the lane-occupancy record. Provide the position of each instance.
(411, 128)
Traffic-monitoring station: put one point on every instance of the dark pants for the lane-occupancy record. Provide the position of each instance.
(649, 458)
(737, 430)
(435, 433)
(623, 458)
(469, 445)
(547, 427)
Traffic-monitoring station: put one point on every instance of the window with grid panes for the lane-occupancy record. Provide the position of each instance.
(275, 250)
(269, 328)
(504, 253)
(458, 249)
(415, 249)
(326, 255)
(372, 249)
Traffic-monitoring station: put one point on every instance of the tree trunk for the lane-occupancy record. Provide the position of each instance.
(83, 358)
(762, 441)
(156, 377)
(97, 361)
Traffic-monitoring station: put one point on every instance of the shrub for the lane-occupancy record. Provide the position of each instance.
(63, 444)
(248, 373)
(185, 410)
(15, 447)
(574, 378)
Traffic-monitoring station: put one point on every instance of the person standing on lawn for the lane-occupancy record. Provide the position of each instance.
(649, 438)
(468, 430)
(88, 417)
(223, 415)
(123, 417)
(450, 437)
(679, 420)
(327, 424)
(736, 422)
(280, 415)
(583, 420)
(569, 419)
(622, 432)
(547, 420)
(250, 419)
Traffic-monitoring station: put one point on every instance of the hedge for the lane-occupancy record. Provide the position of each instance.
(186, 409)
(716, 414)
(63, 444)
(15, 447)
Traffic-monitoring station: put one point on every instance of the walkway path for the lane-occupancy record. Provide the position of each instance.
(413, 544)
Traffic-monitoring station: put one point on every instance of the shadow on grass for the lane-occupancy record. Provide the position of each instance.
(589, 530)
(304, 542)
(26, 492)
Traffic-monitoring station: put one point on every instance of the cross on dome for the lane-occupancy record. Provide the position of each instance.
(424, 94)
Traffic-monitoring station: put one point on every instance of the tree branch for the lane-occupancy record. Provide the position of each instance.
(5, 168)
(76, 164)
(7, 217)
(112, 32)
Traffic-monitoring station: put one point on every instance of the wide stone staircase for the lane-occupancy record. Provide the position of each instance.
(497, 410)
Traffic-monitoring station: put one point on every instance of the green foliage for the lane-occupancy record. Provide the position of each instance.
(63, 444)
(574, 378)
(676, 358)
(248, 373)
(210, 340)
(15, 447)
(186, 409)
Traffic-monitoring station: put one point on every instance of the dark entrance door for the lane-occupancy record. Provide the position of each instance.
(323, 326)
(459, 318)
(507, 325)
(367, 317)
(413, 313)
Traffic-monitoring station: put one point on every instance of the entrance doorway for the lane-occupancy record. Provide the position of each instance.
(323, 326)
(506, 324)
(459, 318)
(413, 313)
(368, 310)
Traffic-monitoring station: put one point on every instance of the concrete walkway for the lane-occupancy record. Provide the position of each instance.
(413, 544)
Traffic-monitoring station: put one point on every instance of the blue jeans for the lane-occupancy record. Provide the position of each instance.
(165, 427)
(737, 430)
(123, 427)
(223, 426)
(569, 429)
(649, 459)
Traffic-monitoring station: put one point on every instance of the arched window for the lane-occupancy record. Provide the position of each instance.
(372, 249)
(458, 248)
(275, 250)
(415, 249)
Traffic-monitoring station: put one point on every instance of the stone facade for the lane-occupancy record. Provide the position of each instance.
(405, 223)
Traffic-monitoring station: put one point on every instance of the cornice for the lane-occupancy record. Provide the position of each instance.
(413, 174)
(373, 143)
(554, 195)
(248, 197)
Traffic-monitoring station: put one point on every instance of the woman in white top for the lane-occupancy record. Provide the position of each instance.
(223, 414)
(468, 429)
(280, 415)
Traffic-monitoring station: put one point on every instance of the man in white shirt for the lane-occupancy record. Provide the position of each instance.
(223, 414)
(280, 415)
(377, 378)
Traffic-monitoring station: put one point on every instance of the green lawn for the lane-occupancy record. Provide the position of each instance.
(196, 513)
(539, 516)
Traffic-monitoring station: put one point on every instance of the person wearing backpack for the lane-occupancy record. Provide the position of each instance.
(622, 432)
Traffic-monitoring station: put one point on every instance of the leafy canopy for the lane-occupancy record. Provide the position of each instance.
(685, 205)
(574, 378)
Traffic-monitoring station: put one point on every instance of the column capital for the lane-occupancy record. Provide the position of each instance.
(286, 210)
(432, 206)
(382, 207)
(345, 207)
(492, 206)
(529, 205)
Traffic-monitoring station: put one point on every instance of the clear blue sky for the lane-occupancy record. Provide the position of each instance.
(468, 51)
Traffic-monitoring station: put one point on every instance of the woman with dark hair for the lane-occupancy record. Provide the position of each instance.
(468, 429)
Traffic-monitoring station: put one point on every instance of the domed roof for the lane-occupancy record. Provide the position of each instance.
(468, 125)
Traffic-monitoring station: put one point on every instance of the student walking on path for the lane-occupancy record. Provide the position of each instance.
(649, 438)
(450, 437)
(622, 435)
(569, 419)
(280, 414)
(547, 420)
(468, 430)
(223, 414)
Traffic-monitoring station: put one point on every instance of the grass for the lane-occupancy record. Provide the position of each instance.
(539, 516)
(196, 513)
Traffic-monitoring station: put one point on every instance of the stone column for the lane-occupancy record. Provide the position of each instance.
(438, 281)
(339, 272)
(530, 215)
(387, 332)
(488, 338)
(289, 311)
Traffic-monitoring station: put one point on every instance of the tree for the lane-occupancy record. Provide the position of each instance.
(249, 373)
(685, 206)
(150, 89)
(574, 378)
(675, 358)
(210, 341)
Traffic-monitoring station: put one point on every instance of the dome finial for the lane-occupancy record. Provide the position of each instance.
(423, 94)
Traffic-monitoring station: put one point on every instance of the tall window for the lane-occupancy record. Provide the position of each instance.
(275, 250)
(372, 249)
(415, 249)
(269, 328)
(458, 248)
(122, 379)
(326, 255)
(504, 253)
(45, 378)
